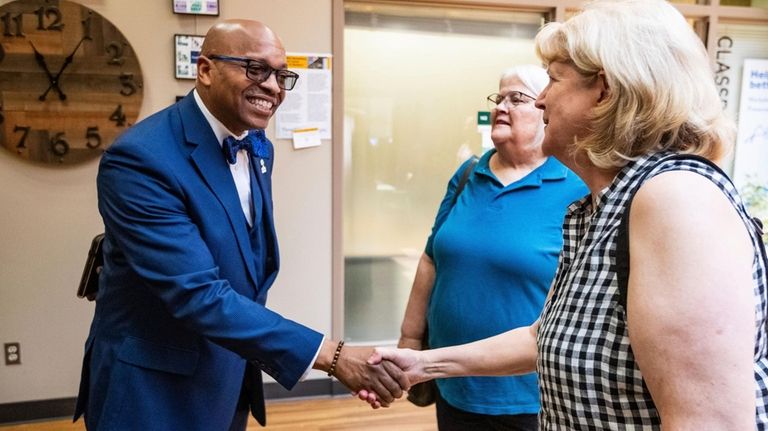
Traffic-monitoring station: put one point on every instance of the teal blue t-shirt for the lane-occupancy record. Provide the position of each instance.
(495, 255)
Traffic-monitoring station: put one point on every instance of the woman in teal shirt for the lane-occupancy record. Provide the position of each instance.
(491, 257)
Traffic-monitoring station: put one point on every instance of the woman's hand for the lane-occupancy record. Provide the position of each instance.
(409, 361)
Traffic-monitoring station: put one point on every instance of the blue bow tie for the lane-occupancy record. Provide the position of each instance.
(256, 143)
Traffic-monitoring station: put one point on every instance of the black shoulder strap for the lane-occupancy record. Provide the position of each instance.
(622, 242)
(463, 180)
(459, 188)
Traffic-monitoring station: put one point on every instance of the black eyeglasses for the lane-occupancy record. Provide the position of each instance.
(513, 98)
(260, 71)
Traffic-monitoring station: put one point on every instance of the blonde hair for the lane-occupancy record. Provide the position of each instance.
(661, 91)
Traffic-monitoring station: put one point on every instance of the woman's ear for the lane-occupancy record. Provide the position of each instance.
(602, 83)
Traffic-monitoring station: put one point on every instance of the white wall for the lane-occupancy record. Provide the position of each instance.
(49, 214)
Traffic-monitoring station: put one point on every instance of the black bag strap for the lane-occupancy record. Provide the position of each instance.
(622, 243)
(463, 180)
(459, 188)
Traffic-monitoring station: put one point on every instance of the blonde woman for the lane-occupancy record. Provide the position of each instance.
(679, 339)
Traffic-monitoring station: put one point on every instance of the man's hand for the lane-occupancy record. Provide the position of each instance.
(408, 361)
(384, 380)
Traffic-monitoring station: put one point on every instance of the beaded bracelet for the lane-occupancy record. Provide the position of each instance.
(332, 370)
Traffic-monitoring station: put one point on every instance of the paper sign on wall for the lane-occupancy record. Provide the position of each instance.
(308, 105)
(305, 138)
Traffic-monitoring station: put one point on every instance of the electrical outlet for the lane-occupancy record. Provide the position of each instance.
(12, 353)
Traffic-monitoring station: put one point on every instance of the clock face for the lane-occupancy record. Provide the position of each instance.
(69, 81)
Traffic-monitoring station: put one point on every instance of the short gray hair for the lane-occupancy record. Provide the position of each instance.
(534, 78)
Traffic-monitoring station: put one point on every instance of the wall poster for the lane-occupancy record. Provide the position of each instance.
(750, 169)
(308, 105)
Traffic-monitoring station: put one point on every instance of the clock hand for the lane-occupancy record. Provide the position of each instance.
(55, 79)
(40, 60)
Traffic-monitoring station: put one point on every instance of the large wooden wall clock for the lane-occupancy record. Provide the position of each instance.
(69, 81)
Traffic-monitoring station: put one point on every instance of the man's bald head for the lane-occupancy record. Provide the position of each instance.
(237, 36)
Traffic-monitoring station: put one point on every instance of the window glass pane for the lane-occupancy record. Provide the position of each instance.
(414, 81)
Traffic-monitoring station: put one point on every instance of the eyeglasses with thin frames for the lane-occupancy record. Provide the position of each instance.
(259, 71)
(513, 99)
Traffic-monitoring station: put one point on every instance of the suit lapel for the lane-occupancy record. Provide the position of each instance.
(214, 170)
(262, 170)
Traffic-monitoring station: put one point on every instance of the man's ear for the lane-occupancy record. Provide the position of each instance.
(204, 70)
(602, 83)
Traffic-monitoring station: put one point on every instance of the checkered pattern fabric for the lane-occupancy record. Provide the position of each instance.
(587, 372)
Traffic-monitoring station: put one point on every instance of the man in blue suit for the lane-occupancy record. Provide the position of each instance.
(180, 333)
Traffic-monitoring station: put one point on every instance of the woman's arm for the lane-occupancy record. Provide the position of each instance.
(511, 352)
(508, 353)
(415, 320)
(691, 309)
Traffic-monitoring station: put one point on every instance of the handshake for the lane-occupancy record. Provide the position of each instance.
(377, 375)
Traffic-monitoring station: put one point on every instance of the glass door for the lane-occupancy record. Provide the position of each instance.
(415, 79)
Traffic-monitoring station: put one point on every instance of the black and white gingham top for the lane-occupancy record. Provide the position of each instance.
(587, 372)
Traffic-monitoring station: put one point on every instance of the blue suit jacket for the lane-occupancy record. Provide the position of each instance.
(180, 329)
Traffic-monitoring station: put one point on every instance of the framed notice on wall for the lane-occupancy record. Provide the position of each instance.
(187, 50)
(196, 7)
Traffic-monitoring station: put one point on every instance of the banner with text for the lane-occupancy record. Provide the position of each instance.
(750, 170)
